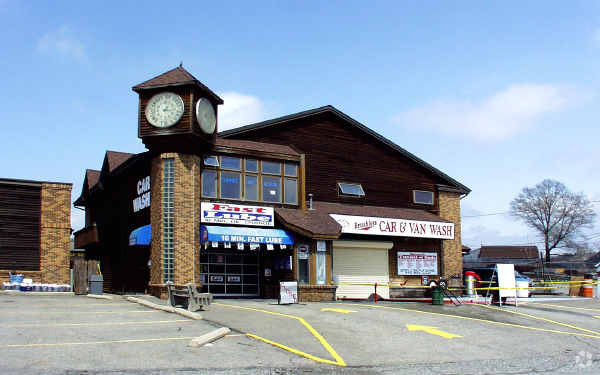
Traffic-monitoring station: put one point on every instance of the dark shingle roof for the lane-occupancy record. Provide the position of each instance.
(92, 176)
(512, 252)
(175, 77)
(116, 158)
(257, 146)
(318, 223)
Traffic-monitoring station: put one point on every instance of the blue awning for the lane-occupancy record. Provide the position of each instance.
(141, 236)
(214, 233)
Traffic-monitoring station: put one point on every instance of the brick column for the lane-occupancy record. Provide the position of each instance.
(449, 204)
(186, 224)
(55, 233)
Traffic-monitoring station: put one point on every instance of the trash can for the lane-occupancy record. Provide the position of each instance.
(437, 296)
(96, 284)
(470, 282)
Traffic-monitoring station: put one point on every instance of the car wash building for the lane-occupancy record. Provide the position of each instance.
(313, 197)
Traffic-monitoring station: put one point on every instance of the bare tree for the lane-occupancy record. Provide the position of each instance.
(554, 211)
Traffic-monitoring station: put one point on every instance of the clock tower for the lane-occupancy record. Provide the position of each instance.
(177, 121)
(177, 113)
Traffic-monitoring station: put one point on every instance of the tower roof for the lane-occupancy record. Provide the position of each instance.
(175, 77)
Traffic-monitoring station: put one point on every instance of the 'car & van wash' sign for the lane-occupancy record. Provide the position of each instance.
(394, 227)
(221, 213)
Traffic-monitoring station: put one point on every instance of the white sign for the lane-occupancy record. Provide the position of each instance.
(288, 292)
(143, 191)
(506, 279)
(222, 213)
(417, 263)
(302, 251)
(321, 246)
(394, 227)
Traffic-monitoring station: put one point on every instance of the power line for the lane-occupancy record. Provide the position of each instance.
(502, 213)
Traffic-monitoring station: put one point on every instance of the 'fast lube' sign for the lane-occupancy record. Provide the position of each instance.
(221, 213)
(143, 191)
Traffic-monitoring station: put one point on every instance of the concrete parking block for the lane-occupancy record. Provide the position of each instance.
(209, 337)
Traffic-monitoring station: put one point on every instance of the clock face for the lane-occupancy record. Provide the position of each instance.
(164, 109)
(205, 115)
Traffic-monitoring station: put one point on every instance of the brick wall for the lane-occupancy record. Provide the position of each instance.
(449, 204)
(186, 227)
(55, 233)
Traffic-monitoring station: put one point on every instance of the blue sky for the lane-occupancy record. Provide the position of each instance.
(498, 96)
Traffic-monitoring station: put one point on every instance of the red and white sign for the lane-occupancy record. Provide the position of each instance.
(223, 213)
(394, 227)
(417, 263)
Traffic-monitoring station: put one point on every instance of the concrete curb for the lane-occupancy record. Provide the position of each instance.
(188, 314)
(209, 337)
(19, 293)
(152, 305)
(99, 296)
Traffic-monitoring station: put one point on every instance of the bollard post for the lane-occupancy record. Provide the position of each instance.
(375, 292)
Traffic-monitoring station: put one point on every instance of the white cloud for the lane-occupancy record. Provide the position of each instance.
(499, 116)
(239, 110)
(62, 43)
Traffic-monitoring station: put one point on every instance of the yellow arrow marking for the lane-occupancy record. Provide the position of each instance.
(341, 311)
(432, 330)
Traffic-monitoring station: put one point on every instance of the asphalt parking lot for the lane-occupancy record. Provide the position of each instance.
(77, 334)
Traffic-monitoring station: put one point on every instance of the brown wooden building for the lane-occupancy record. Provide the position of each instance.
(35, 230)
(314, 197)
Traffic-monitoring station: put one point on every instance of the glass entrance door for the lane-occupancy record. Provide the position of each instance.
(230, 272)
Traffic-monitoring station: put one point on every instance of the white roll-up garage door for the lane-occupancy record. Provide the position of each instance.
(361, 262)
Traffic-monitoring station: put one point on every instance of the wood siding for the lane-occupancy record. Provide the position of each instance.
(20, 215)
(338, 152)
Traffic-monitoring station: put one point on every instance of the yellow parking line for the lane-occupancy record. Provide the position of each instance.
(561, 306)
(475, 319)
(78, 312)
(542, 319)
(295, 351)
(338, 360)
(94, 342)
(93, 324)
(341, 311)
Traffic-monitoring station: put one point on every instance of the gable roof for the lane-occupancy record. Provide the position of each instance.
(454, 185)
(91, 177)
(175, 77)
(512, 252)
(115, 158)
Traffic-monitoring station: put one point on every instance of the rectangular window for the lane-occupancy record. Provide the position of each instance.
(271, 189)
(321, 268)
(251, 165)
(271, 167)
(251, 187)
(231, 185)
(290, 170)
(303, 271)
(423, 197)
(211, 161)
(353, 190)
(168, 189)
(209, 183)
(291, 190)
(232, 164)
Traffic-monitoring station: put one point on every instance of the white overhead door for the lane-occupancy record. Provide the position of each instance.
(361, 262)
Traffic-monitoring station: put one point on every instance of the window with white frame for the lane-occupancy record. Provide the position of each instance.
(350, 189)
